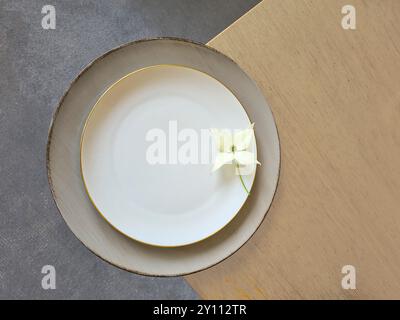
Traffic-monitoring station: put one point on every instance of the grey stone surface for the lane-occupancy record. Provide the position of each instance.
(36, 66)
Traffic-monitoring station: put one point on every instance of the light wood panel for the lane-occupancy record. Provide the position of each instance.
(335, 95)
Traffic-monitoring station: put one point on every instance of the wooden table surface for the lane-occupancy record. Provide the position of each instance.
(335, 95)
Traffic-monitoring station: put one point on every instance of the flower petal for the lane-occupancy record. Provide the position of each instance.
(242, 139)
(221, 159)
(223, 139)
(245, 158)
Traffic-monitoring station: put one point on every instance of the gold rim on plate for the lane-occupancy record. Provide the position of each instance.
(83, 134)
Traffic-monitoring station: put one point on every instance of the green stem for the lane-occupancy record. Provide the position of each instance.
(241, 180)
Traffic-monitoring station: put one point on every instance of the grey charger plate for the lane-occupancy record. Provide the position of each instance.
(63, 159)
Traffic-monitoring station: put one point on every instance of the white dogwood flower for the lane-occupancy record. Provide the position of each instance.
(232, 148)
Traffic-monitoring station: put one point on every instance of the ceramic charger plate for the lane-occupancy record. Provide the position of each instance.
(64, 167)
(146, 156)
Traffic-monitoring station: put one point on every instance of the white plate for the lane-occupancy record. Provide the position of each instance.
(64, 165)
(170, 204)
